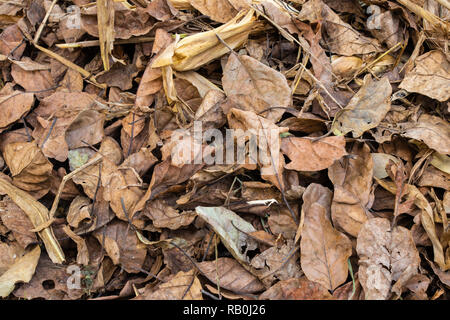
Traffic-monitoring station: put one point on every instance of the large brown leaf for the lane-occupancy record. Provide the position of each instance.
(430, 77)
(433, 131)
(256, 87)
(324, 250)
(227, 273)
(352, 180)
(312, 155)
(366, 109)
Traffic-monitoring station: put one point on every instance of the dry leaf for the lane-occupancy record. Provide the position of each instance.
(430, 77)
(366, 109)
(312, 155)
(21, 271)
(324, 250)
(386, 254)
(253, 86)
(433, 131)
(352, 180)
(227, 273)
(38, 215)
(232, 230)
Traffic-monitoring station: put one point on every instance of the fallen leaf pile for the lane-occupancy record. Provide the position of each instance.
(348, 200)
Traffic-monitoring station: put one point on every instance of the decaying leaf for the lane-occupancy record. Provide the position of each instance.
(232, 230)
(296, 289)
(433, 131)
(386, 254)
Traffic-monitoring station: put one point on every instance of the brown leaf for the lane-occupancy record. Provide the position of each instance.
(296, 289)
(165, 216)
(217, 10)
(29, 167)
(352, 180)
(184, 285)
(13, 105)
(16, 220)
(433, 131)
(229, 274)
(342, 38)
(40, 80)
(366, 109)
(430, 76)
(82, 249)
(311, 155)
(324, 250)
(122, 246)
(386, 254)
(273, 265)
(256, 87)
(49, 282)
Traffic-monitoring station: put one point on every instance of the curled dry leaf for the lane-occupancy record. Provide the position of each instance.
(430, 76)
(433, 131)
(232, 230)
(366, 109)
(253, 86)
(82, 249)
(324, 250)
(312, 155)
(352, 180)
(38, 215)
(227, 273)
(30, 169)
(165, 216)
(21, 271)
(386, 254)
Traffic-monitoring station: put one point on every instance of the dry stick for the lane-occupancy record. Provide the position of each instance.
(41, 27)
(131, 136)
(96, 43)
(89, 77)
(66, 178)
(49, 131)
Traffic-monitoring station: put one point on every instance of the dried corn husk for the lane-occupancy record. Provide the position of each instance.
(197, 50)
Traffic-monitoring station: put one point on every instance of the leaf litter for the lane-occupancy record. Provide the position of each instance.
(115, 159)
